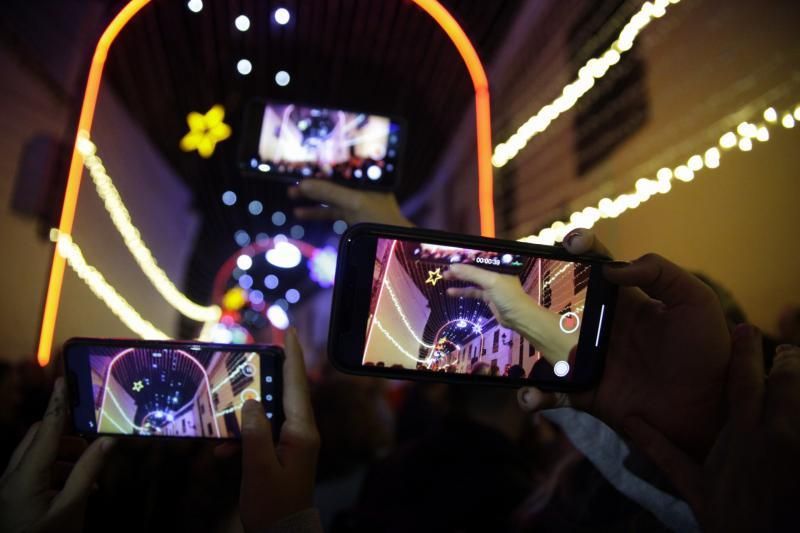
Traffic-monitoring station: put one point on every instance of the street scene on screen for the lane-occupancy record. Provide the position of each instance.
(326, 143)
(414, 324)
(172, 392)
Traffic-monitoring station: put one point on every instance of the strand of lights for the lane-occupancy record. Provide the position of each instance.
(121, 218)
(233, 374)
(122, 412)
(115, 424)
(555, 275)
(594, 69)
(403, 316)
(103, 290)
(743, 137)
(397, 344)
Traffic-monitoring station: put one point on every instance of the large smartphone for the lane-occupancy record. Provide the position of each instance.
(292, 141)
(392, 315)
(170, 389)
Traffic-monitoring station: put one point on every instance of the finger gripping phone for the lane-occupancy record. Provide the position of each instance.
(397, 311)
(169, 389)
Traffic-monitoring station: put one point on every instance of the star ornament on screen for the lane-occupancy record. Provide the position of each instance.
(434, 276)
(138, 385)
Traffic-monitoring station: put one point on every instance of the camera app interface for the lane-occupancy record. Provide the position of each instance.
(309, 142)
(424, 318)
(170, 391)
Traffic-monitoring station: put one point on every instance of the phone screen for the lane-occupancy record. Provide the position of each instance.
(188, 391)
(415, 324)
(297, 141)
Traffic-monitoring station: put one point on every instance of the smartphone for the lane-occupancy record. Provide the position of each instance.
(291, 141)
(392, 314)
(169, 389)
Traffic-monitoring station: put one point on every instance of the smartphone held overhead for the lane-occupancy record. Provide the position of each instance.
(291, 142)
(422, 304)
(170, 389)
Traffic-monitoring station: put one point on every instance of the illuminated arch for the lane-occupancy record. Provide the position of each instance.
(69, 206)
(107, 393)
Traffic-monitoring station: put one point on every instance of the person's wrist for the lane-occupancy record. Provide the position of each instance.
(522, 316)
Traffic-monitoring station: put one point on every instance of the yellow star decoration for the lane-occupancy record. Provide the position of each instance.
(434, 276)
(205, 131)
(138, 385)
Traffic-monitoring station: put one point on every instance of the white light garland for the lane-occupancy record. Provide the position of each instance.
(645, 188)
(594, 69)
(403, 316)
(121, 218)
(103, 290)
(376, 322)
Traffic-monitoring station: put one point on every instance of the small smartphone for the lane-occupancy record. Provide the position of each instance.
(393, 316)
(168, 388)
(291, 141)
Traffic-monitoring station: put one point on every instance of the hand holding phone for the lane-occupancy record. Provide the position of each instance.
(342, 203)
(30, 496)
(291, 142)
(668, 353)
(169, 389)
(278, 478)
(432, 305)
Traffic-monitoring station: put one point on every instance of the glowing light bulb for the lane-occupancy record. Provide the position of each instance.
(278, 317)
(787, 121)
(695, 163)
(770, 115)
(745, 129)
(284, 255)
(282, 16)
(244, 262)
(282, 78)
(195, 6)
(745, 144)
(229, 198)
(728, 140)
(684, 173)
(244, 67)
(664, 174)
(763, 134)
(242, 23)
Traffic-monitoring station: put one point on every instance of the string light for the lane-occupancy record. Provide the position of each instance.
(646, 188)
(377, 322)
(402, 315)
(594, 69)
(121, 218)
(103, 290)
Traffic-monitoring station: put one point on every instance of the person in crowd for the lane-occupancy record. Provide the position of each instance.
(696, 400)
(670, 348)
(277, 479)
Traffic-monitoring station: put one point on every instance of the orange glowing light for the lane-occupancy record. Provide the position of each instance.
(74, 177)
(432, 7)
(483, 120)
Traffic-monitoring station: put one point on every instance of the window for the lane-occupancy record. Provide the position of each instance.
(496, 341)
(547, 292)
(580, 276)
(618, 104)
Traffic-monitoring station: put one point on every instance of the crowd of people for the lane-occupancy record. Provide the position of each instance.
(691, 427)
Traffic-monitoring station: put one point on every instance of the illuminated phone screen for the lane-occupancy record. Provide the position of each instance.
(167, 391)
(414, 324)
(300, 141)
